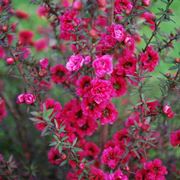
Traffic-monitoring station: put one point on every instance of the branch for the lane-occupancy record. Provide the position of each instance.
(157, 24)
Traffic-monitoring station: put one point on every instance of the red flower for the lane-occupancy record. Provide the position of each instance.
(83, 85)
(54, 157)
(29, 98)
(123, 6)
(127, 63)
(25, 37)
(119, 86)
(101, 90)
(59, 73)
(21, 14)
(111, 156)
(41, 44)
(117, 32)
(3, 112)
(150, 18)
(109, 114)
(2, 52)
(175, 138)
(168, 111)
(96, 174)
(149, 59)
(152, 170)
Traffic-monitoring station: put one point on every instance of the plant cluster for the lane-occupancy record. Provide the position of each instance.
(94, 61)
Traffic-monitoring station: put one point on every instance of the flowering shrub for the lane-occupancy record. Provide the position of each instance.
(87, 83)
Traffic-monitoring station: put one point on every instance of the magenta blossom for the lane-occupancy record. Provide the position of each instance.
(74, 63)
(27, 98)
(175, 138)
(103, 65)
(101, 90)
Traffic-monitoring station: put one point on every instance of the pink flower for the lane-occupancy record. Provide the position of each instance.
(3, 112)
(41, 44)
(168, 111)
(44, 63)
(149, 59)
(74, 63)
(29, 98)
(123, 6)
(175, 138)
(103, 65)
(106, 43)
(146, 2)
(20, 99)
(117, 32)
(111, 156)
(77, 5)
(10, 61)
(101, 90)
(117, 175)
(102, 3)
(42, 11)
(87, 59)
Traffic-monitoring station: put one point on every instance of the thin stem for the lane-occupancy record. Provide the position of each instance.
(157, 24)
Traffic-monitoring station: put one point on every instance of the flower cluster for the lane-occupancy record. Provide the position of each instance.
(78, 78)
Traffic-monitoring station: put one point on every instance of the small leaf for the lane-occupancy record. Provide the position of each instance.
(53, 143)
(34, 113)
(60, 148)
(63, 163)
(47, 113)
(173, 67)
(74, 142)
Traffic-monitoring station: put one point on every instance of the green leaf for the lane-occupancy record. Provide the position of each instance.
(173, 67)
(63, 163)
(76, 149)
(60, 148)
(47, 113)
(62, 129)
(74, 142)
(53, 143)
(34, 113)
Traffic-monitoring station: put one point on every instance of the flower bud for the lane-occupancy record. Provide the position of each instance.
(44, 63)
(77, 5)
(82, 166)
(29, 98)
(20, 99)
(10, 61)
